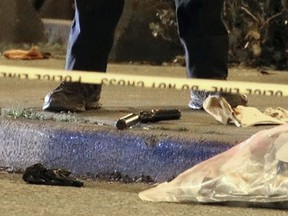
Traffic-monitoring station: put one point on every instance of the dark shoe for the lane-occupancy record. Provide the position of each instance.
(92, 100)
(73, 97)
(198, 98)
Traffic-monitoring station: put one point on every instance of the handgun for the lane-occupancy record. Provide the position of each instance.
(154, 115)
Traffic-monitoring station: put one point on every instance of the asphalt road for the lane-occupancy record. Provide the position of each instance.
(101, 199)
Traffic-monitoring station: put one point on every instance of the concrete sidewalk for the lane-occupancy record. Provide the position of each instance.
(89, 143)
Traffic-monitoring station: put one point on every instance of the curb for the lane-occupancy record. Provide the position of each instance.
(91, 149)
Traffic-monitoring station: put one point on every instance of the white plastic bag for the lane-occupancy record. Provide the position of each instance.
(255, 170)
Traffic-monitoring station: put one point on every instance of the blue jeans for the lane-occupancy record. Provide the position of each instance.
(201, 32)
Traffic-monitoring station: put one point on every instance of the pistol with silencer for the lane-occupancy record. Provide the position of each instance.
(154, 115)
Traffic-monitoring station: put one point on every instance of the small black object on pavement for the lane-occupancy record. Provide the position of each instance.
(38, 174)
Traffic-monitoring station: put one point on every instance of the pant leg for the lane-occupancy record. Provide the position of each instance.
(92, 33)
(204, 38)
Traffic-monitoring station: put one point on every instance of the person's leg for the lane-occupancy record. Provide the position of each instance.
(204, 37)
(92, 34)
(90, 41)
(205, 41)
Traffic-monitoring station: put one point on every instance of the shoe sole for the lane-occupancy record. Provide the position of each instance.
(59, 106)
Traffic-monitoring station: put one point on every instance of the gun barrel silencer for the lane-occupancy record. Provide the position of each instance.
(127, 121)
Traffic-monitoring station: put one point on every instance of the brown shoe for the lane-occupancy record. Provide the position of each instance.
(73, 97)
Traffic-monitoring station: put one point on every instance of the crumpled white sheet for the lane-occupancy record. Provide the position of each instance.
(255, 170)
(243, 116)
(278, 113)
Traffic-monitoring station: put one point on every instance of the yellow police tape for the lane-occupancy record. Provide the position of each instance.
(249, 88)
